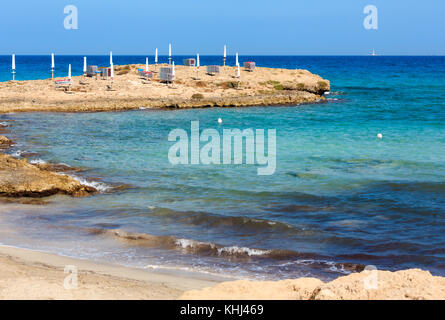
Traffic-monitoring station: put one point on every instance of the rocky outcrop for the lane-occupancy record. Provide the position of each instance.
(18, 178)
(5, 143)
(263, 87)
(412, 284)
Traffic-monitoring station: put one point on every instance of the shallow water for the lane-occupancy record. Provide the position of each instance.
(340, 198)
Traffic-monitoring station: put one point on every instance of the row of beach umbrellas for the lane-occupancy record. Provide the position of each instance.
(146, 63)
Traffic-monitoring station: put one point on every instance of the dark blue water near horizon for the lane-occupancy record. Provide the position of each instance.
(340, 198)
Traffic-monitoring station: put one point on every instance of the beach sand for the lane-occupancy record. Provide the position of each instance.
(264, 86)
(27, 274)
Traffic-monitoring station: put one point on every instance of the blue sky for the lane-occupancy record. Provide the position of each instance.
(287, 27)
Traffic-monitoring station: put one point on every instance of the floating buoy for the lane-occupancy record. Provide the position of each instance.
(219, 120)
(380, 136)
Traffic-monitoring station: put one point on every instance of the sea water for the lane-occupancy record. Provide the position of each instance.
(340, 198)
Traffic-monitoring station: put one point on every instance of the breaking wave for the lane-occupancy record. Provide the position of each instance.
(189, 246)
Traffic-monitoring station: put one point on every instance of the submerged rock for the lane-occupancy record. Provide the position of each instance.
(18, 178)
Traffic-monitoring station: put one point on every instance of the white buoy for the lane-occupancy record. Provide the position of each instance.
(380, 136)
(219, 120)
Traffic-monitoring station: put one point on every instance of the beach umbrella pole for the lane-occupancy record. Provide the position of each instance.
(13, 75)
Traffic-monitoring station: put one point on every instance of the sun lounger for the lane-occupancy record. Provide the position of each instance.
(64, 83)
(249, 66)
(213, 70)
(190, 62)
(166, 74)
(91, 71)
(105, 72)
(147, 75)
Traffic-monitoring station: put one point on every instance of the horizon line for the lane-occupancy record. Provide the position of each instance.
(229, 55)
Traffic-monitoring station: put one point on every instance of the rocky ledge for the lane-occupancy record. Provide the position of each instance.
(191, 89)
(5, 143)
(18, 178)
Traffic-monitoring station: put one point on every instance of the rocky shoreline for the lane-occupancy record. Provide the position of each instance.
(263, 87)
(21, 179)
(18, 178)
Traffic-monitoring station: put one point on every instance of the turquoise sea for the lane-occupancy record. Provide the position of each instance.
(340, 198)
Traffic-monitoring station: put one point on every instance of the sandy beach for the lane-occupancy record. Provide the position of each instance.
(264, 86)
(26, 274)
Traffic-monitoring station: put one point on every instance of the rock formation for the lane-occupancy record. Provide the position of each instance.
(18, 178)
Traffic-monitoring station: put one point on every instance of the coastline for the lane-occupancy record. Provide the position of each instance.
(28, 274)
(128, 91)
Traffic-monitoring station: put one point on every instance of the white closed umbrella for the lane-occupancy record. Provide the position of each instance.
(53, 65)
(146, 64)
(112, 72)
(236, 59)
(173, 69)
(169, 53)
(69, 72)
(84, 65)
(156, 56)
(13, 67)
(111, 58)
(225, 54)
(197, 66)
